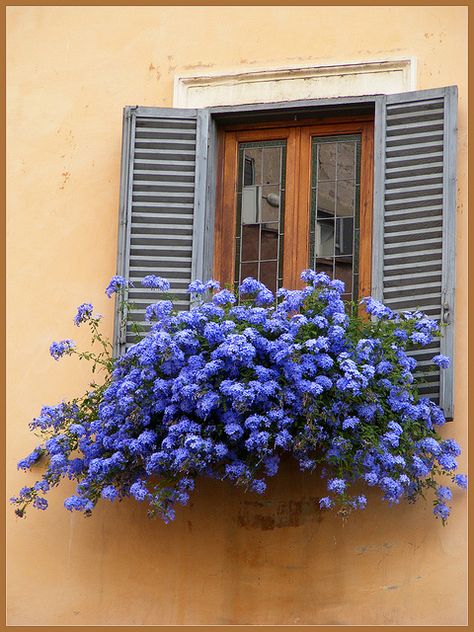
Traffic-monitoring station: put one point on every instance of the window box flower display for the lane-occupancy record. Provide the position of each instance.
(226, 388)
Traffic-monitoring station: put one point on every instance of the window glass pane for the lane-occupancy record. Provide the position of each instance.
(344, 272)
(344, 236)
(252, 166)
(327, 161)
(325, 238)
(271, 169)
(345, 200)
(249, 269)
(269, 243)
(260, 212)
(325, 265)
(250, 237)
(334, 212)
(346, 161)
(326, 199)
(270, 203)
(268, 274)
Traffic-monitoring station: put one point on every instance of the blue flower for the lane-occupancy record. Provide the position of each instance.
(395, 427)
(444, 493)
(156, 282)
(461, 480)
(250, 286)
(159, 310)
(40, 503)
(109, 493)
(139, 491)
(234, 431)
(258, 486)
(350, 422)
(393, 490)
(75, 503)
(84, 313)
(315, 278)
(198, 287)
(441, 360)
(224, 297)
(401, 334)
(421, 338)
(264, 297)
(337, 485)
(59, 349)
(325, 503)
(31, 459)
(450, 446)
(447, 462)
(376, 308)
(441, 511)
(371, 478)
(116, 284)
(430, 445)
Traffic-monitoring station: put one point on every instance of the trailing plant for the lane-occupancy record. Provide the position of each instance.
(225, 389)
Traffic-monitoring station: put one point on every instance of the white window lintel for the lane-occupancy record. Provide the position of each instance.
(295, 82)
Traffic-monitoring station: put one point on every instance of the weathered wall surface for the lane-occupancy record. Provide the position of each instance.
(230, 557)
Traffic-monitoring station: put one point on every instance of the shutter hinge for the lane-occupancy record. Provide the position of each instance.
(130, 109)
(123, 333)
(445, 310)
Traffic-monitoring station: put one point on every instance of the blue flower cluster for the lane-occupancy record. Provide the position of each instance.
(84, 313)
(225, 389)
(59, 349)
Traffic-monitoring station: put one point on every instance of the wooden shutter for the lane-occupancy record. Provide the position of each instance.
(162, 194)
(414, 218)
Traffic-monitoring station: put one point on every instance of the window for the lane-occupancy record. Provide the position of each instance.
(291, 198)
(363, 187)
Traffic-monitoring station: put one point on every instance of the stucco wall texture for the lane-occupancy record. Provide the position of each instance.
(230, 557)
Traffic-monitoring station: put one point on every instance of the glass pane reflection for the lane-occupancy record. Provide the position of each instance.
(334, 213)
(260, 211)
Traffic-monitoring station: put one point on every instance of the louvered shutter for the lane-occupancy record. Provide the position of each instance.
(414, 218)
(164, 154)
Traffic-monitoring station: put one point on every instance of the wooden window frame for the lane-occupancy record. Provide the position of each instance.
(298, 135)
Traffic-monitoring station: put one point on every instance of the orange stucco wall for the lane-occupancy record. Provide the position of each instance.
(229, 557)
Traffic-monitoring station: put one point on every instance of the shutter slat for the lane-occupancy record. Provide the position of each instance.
(415, 128)
(150, 186)
(420, 210)
(408, 116)
(408, 191)
(426, 221)
(163, 228)
(419, 159)
(411, 144)
(412, 276)
(165, 195)
(402, 203)
(419, 105)
(415, 170)
(186, 165)
(410, 179)
(404, 246)
(182, 218)
(168, 205)
(166, 175)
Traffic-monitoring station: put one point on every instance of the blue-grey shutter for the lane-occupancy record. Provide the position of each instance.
(162, 199)
(414, 218)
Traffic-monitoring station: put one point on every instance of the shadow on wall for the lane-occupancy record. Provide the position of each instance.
(232, 557)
